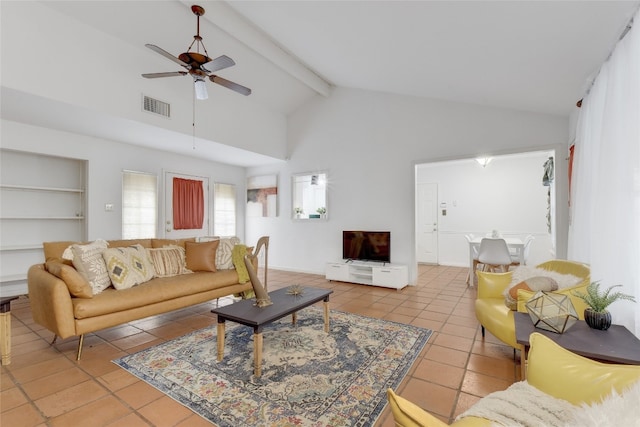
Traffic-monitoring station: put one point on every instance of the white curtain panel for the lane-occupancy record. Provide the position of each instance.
(605, 189)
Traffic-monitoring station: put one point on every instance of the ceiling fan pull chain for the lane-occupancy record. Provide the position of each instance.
(193, 118)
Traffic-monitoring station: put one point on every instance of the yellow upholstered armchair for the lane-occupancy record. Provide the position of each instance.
(497, 318)
(553, 370)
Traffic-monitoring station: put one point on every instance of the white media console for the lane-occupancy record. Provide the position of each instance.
(368, 273)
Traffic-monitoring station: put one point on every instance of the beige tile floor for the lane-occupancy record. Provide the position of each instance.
(45, 386)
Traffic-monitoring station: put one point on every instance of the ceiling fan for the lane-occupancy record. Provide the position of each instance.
(199, 66)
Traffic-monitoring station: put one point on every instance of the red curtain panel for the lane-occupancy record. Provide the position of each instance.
(188, 204)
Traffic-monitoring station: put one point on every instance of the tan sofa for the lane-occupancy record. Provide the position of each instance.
(54, 307)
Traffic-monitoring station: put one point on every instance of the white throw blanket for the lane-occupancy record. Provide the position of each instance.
(522, 405)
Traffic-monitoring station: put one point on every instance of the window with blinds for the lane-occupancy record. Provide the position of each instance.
(139, 205)
(224, 209)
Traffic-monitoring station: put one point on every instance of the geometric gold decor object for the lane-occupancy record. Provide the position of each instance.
(551, 312)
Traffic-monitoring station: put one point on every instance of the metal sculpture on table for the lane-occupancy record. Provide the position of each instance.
(262, 296)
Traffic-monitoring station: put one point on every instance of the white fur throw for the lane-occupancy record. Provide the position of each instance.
(524, 272)
(615, 410)
(522, 405)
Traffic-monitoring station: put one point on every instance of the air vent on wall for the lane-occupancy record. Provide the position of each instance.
(156, 106)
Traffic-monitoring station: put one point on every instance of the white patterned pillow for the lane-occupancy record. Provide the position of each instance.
(128, 266)
(87, 259)
(168, 261)
(223, 254)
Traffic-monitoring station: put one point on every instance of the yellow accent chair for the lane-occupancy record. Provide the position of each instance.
(497, 318)
(552, 370)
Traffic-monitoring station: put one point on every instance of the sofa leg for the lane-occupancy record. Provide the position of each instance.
(80, 342)
(482, 327)
(53, 341)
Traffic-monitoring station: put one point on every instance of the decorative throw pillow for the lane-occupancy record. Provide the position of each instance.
(88, 261)
(169, 261)
(201, 256)
(538, 283)
(223, 255)
(128, 266)
(78, 286)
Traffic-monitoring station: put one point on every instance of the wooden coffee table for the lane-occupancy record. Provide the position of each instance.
(247, 313)
(615, 345)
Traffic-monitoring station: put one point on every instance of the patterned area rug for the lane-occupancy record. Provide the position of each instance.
(309, 377)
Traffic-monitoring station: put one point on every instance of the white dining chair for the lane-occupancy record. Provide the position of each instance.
(494, 254)
(469, 238)
(515, 259)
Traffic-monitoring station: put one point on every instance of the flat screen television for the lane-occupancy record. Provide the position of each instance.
(366, 245)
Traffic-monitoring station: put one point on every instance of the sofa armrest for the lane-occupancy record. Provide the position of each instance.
(492, 285)
(50, 301)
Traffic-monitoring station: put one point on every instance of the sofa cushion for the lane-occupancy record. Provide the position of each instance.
(201, 256)
(225, 250)
(78, 285)
(156, 290)
(168, 261)
(88, 261)
(129, 266)
(53, 251)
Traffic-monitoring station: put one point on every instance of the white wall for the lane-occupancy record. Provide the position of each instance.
(507, 195)
(369, 144)
(106, 160)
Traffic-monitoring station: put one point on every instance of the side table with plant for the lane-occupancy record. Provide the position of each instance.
(596, 315)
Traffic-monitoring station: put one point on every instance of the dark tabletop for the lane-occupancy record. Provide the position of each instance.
(5, 304)
(247, 313)
(617, 344)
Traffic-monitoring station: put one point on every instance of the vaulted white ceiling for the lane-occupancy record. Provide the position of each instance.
(537, 56)
(527, 55)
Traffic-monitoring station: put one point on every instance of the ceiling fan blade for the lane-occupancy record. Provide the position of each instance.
(220, 63)
(169, 74)
(167, 55)
(231, 85)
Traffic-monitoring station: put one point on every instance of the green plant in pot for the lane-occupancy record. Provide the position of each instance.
(596, 314)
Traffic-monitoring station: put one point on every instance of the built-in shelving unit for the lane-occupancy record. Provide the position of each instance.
(42, 198)
(368, 273)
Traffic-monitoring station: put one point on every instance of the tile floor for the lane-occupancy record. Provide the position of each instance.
(45, 386)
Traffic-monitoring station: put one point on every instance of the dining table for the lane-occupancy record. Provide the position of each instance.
(515, 245)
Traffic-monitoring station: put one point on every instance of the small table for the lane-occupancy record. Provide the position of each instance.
(247, 313)
(615, 345)
(5, 328)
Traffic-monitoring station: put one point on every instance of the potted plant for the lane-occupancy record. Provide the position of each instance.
(322, 211)
(596, 315)
(298, 212)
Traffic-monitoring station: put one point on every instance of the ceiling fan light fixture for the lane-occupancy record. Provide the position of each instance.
(201, 89)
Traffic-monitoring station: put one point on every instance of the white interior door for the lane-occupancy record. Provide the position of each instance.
(169, 231)
(427, 223)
